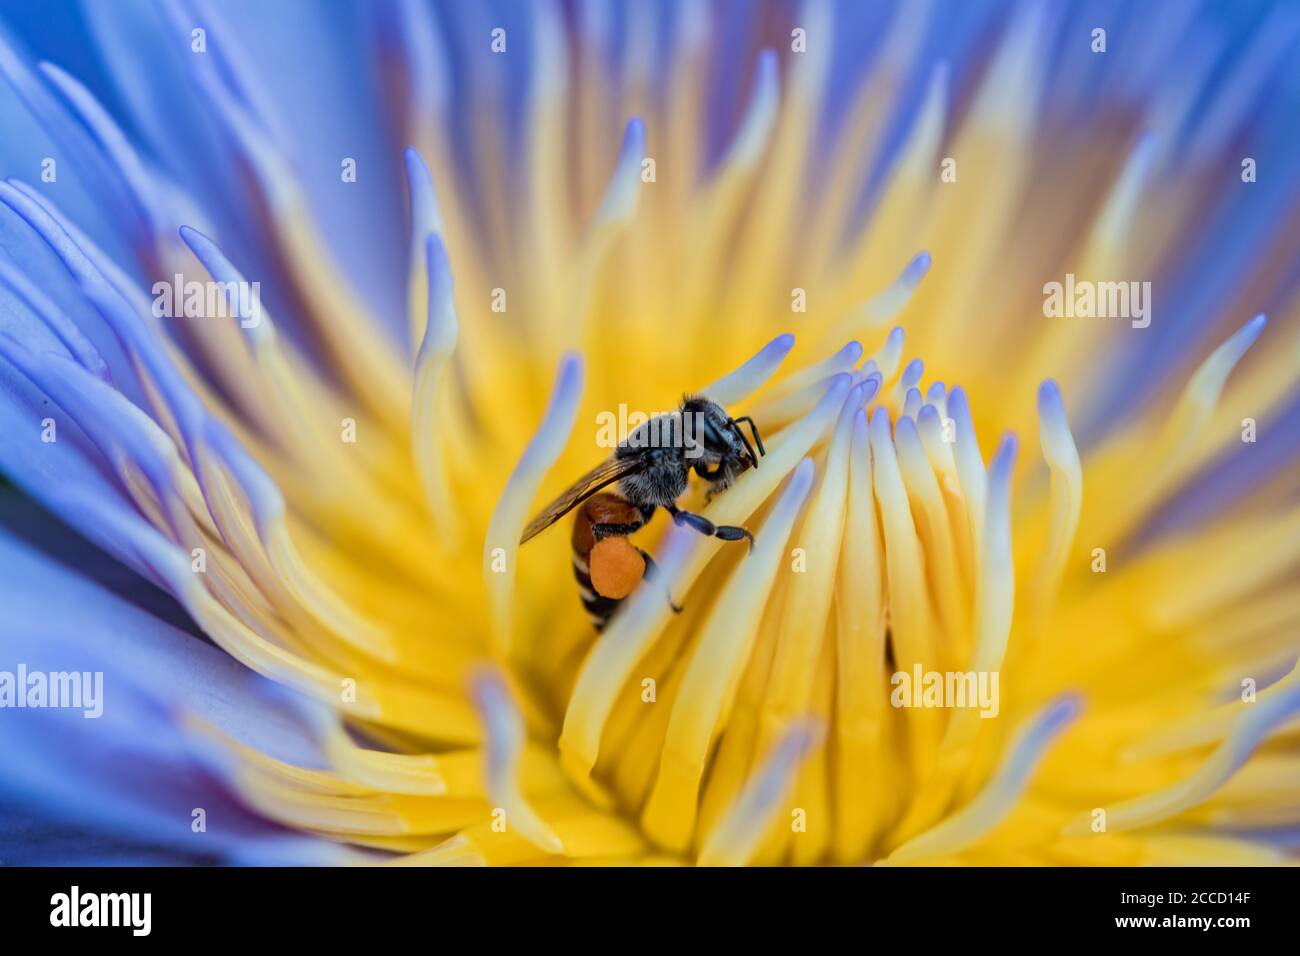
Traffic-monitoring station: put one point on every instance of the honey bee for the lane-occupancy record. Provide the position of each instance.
(652, 469)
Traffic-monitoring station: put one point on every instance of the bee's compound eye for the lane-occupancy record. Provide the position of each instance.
(616, 568)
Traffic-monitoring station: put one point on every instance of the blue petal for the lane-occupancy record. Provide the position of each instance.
(139, 770)
(315, 70)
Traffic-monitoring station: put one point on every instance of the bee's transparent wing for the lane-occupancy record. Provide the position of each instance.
(606, 473)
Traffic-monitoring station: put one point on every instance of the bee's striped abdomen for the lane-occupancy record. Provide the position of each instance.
(600, 609)
(609, 509)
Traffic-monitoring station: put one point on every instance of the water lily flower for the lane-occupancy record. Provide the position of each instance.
(305, 309)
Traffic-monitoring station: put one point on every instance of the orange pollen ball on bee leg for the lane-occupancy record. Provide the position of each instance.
(616, 568)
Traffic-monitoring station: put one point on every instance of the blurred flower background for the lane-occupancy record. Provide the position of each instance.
(287, 536)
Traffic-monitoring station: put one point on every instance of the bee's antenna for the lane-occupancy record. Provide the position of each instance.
(745, 441)
(758, 440)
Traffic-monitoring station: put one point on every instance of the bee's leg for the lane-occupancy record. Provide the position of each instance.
(652, 572)
(602, 530)
(711, 476)
(726, 532)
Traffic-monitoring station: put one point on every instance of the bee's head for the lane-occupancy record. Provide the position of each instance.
(720, 450)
